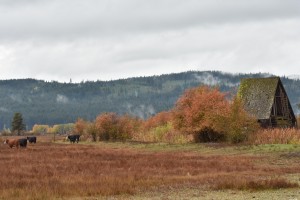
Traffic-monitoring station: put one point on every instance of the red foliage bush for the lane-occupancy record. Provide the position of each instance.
(111, 126)
(80, 126)
(206, 113)
(159, 119)
(201, 108)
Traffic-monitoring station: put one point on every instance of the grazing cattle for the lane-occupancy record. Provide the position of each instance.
(73, 138)
(23, 142)
(31, 139)
(12, 142)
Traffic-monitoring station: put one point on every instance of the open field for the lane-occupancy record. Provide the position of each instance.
(149, 171)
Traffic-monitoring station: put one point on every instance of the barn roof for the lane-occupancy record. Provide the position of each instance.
(258, 95)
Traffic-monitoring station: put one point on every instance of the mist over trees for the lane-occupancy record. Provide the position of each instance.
(51, 103)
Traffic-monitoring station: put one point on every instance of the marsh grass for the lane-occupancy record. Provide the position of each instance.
(62, 170)
(276, 136)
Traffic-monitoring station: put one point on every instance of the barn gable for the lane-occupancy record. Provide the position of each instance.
(266, 99)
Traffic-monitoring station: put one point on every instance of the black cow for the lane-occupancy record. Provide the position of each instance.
(23, 142)
(31, 139)
(73, 138)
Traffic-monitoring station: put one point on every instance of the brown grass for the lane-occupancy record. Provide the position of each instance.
(46, 170)
(276, 136)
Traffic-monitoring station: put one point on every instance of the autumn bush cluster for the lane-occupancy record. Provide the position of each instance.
(201, 114)
(208, 115)
(108, 127)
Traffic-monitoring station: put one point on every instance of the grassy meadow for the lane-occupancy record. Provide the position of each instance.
(135, 170)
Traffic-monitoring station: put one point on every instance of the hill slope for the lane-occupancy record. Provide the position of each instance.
(51, 103)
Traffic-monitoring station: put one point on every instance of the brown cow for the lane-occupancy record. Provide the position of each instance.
(12, 142)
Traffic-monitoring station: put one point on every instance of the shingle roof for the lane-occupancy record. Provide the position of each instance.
(258, 95)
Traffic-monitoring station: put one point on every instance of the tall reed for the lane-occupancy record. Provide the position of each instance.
(276, 136)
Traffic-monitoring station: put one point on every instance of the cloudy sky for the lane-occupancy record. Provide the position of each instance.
(111, 39)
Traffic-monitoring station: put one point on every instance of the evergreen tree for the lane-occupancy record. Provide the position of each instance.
(17, 123)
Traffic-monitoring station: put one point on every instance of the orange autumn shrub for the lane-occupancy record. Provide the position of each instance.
(202, 111)
(112, 127)
(210, 117)
(80, 126)
(159, 119)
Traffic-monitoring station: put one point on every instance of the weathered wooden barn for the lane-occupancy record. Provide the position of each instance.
(267, 100)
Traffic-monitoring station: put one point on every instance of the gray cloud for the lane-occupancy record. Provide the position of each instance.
(109, 39)
(91, 18)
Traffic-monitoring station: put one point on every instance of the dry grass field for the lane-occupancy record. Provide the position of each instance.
(62, 170)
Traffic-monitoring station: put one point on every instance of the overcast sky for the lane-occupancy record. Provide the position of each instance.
(111, 39)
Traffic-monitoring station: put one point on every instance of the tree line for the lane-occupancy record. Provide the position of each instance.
(54, 103)
(201, 114)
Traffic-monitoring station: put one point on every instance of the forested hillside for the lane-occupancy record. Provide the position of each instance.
(42, 102)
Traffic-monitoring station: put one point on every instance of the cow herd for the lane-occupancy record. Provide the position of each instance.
(22, 142)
